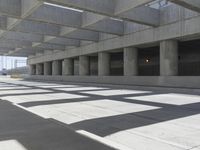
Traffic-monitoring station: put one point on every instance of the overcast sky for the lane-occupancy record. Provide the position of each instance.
(11, 62)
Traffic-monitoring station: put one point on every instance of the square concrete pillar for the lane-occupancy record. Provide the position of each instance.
(130, 61)
(57, 67)
(103, 64)
(32, 69)
(47, 68)
(169, 58)
(39, 69)
(84, 65)
(68, 67)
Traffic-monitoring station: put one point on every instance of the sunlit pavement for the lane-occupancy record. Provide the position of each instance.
(55, 116)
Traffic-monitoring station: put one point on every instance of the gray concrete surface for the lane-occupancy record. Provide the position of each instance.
(130, 62)
(165, 81)
(38, 115)
(67, 67)
(23, 130)
(169, 58)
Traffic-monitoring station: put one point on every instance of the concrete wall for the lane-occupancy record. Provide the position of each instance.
(171, 81)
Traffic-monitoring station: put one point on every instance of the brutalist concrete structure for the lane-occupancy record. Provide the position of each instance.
(145, 42)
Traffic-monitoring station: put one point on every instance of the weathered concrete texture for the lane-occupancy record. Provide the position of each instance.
(191, 4)
(32, 69)
(84, 65)
(169, 58)
(103, 64)
(130, 61)
(95, 19)
(57, 67)
(39, 69)
(67, 67)
(166, 81)
(22, 130)
(47, 68)
(172, 27)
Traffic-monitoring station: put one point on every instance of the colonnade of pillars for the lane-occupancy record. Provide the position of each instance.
(168, 63)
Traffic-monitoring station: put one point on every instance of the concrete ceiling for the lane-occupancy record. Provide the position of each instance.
(28, 27)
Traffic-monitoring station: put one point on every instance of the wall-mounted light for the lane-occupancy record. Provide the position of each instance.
(147, 60)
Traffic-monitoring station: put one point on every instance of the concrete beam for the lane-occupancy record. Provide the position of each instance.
(103, 24)
(12, 22)
(50, 46)
(126, 5)
(57, 15)
(71, 18)
(20, 52)
(10, 7)
(135, 11)
(14, 43)
(100, 6)
(4, 50)
(29, 6)
(31, 49)
(18, 8)
(190, 4)
(80, 34)
(12, 35)
(139, 15)
(38, 28)
(62, 41)
(116, 9)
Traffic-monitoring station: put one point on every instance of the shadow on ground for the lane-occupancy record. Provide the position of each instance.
(35, 133)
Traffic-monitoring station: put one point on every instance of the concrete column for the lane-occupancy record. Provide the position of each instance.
(39, 69)
(130, 61)
(68, 67)
(103, 64)
(169, 58)
(47, 68)
(84, 65)
(32, 70)
(57, 67)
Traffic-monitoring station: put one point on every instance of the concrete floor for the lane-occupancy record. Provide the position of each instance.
(58, 116)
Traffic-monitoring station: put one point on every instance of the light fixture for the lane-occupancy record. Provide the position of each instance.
(64, 7)
(147, 60)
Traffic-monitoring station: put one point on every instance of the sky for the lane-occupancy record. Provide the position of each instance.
(12, 62)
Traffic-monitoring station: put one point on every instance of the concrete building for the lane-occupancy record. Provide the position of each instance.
(144, 42)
